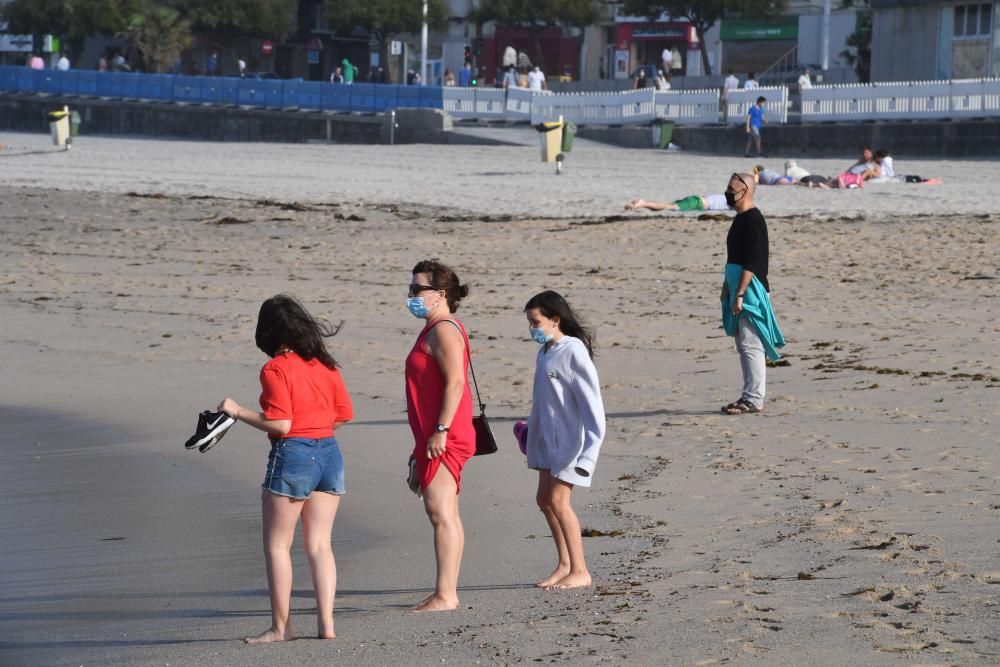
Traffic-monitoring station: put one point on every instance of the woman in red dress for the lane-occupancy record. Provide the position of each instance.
(439, 406)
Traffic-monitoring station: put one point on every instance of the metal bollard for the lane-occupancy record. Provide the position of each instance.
(392, 127)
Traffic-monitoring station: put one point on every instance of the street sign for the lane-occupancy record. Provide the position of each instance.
(395, 48)
(266, 47)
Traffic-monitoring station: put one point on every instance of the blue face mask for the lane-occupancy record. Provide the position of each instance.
(417, 307)
(539, 336)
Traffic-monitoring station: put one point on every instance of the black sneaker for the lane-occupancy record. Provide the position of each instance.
(211, 427)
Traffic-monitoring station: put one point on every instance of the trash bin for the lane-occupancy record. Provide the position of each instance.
(59, 126)
(74, 123)
(663, 132)
(550, 135)
(569, 131)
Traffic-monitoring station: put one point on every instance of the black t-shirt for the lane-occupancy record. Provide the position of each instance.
(746, 244)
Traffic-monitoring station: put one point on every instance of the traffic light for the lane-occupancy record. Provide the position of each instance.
(468, 53)
(477, 46)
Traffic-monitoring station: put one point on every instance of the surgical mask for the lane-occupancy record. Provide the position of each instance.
(731, 198)
(417, 307)
(539, 336)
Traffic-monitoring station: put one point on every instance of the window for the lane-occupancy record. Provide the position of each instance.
(973, 21)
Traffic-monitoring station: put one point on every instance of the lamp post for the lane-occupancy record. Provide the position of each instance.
(423, 47)
(825, 36)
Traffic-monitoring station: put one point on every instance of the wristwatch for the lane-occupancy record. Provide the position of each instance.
(739, 296)
(440, 428)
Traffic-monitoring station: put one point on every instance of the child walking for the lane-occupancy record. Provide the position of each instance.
(303, 399)
(565, 429)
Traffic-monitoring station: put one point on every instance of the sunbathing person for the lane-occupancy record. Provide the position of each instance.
(690, 203)
(767, 177)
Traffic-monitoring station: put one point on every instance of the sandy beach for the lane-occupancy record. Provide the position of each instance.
(854, 523)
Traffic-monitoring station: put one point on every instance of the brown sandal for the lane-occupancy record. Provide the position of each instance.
(740, 407)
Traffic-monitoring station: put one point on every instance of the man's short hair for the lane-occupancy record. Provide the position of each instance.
(747, 180)
(761, 99)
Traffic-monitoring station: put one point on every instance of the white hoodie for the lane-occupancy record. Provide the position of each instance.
(566, 426)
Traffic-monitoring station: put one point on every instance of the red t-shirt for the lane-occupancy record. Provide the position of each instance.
(307, 392)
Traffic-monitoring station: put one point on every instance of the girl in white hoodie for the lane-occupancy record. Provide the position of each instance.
(565, 429)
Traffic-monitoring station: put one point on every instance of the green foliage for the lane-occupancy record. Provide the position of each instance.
(704, 13)
(385, 18)
(859, 51)
(74, 20)
(160, 34)
(538, 14)
(265, 18)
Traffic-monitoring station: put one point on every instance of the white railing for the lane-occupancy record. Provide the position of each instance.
(484, 103)
(629, 107)
(738, 103)
(694, 107)
(914, 100)
(519, 103)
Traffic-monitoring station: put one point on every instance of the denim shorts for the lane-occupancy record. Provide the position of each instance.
(298, 466)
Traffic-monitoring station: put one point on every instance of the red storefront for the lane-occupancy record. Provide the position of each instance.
(555, 54)
(642, 43)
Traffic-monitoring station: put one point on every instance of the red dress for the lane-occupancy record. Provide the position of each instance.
(424, 394)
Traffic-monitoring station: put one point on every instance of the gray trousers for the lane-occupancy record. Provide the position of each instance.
(752, 361)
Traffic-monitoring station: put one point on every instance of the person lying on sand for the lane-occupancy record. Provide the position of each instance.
(764, 176)
(689, 203)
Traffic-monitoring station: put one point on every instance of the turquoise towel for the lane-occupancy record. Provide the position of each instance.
(757, 307)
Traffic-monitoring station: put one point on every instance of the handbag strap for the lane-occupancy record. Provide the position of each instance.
(468, 350)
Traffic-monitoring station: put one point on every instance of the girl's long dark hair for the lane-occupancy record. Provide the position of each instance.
(552, 304)
(283, 321)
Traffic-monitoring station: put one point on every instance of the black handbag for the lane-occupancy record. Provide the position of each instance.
(485, 442)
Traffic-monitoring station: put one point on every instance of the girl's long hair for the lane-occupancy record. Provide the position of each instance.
(283, 321)
(552, 304)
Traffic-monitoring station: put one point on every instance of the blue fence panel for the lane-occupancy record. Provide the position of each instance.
(8, 79)
(290, 93)
(27, 80)
(156, 87)
(86, 83)
(310, 95)
(252, 93)
(336, 97)
(187, 89)
(49, 83)
(111, 84)
(363, 97)
(229, 91)
(130, 84)
(210, 90)
(273, 92)
(409, 97)
(432, 97)
(67, 83)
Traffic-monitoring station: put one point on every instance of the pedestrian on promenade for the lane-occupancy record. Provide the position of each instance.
(212, 64)
(661, 82)
(755, 121)
(536, 79)
(102, 64)
(439, 409)
(241, 67)
(349, 71)
(510, 77)
(805, 82)
(63, 63)
(449, 78)
(303, 400)
(566, 427)
(751, 82)
(337, 76)
(36, 62)
(730, 83)
(509, 57)
(640, 79)
(747, 314)
(465, 75)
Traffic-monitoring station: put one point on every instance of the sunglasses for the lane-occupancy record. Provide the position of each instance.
(417, 289)
(740, 179)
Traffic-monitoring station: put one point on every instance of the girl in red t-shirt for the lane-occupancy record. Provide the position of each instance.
(303, 399)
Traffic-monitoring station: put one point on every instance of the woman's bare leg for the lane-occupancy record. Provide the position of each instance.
(441, 504)
(544, 499)
(317, 530)
(578, 575)
(280, 514)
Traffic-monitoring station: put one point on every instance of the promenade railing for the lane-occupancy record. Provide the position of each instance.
(695, 107)
(904, 100)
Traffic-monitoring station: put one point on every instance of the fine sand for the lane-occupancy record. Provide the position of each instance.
(855, 522)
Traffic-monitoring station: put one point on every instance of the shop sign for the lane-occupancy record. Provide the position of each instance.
(735, 30)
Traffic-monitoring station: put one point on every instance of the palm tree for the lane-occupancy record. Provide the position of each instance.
(159, 33)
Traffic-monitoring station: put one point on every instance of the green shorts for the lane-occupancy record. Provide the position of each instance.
(692, 203)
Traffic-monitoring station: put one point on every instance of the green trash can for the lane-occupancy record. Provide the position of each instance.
(663, 132)
(569, 131)
(74, 123)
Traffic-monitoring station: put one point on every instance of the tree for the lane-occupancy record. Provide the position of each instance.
(384, 19)
(71, 20)
(159, 33)
(705, 13)
(537, 15)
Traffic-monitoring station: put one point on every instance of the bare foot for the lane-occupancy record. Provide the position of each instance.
(436, 603)
(271, 635)
(559, 573)
(326, 635)
(634, 204)
(572, 580)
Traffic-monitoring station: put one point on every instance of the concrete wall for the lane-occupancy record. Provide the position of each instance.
(910, 140)
(811, 38)
(905, 43)
(26, 113)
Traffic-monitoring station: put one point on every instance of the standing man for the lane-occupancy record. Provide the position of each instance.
(536, 79)
(212, 64)
(63, 63)
(755, 121)
(349, 71)
(751, 82)
(465, 75)
(666, 59)
(731, 83)
(747, 314)
(241, 65)
(805, 83)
